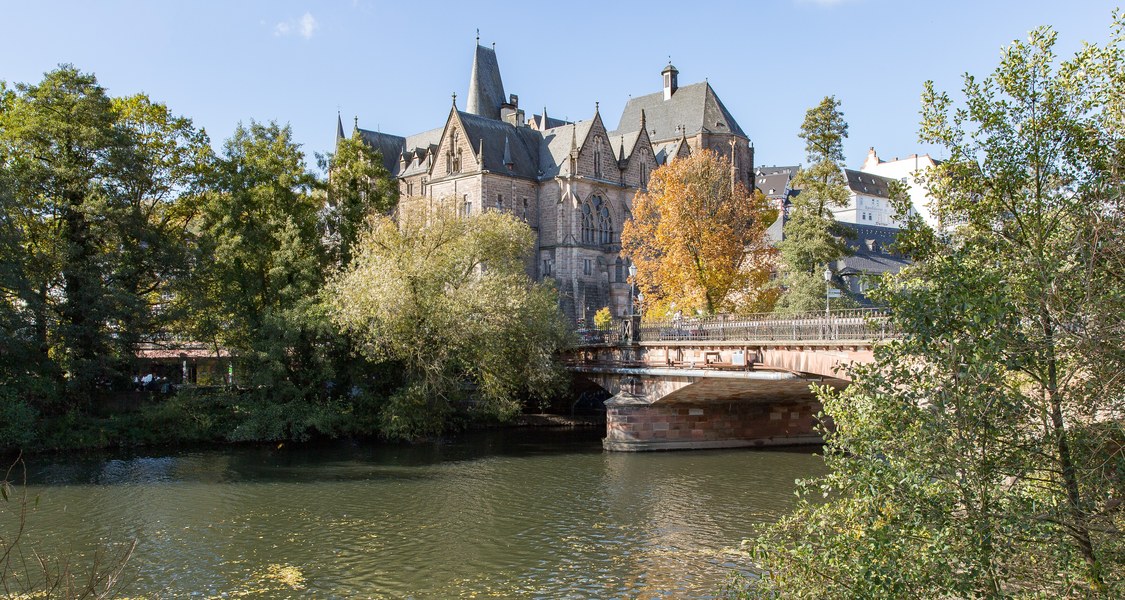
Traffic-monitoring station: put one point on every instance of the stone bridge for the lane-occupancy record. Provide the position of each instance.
(723, 382)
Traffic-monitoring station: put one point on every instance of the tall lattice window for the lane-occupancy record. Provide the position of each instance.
(454, 156)
(597, 157)
(597, 226)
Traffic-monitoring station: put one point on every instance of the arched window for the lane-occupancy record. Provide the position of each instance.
(597, 226)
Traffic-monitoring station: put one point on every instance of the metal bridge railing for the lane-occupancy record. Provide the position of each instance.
(868, 324)
(861, 324)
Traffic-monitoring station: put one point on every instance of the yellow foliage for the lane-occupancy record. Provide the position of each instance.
(698, 241)
(603, 318)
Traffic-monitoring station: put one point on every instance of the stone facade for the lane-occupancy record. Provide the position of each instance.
(713, 425)
(573, 182)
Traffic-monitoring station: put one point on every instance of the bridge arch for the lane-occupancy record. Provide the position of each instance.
(722, 381)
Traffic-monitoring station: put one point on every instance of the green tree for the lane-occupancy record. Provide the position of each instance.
(981, 455)
(259, 268)
(448, 299)
(93, 230)
(813, 239)
(357, 185)
(163, 173)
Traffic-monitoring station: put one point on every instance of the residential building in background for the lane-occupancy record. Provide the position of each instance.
(775, 183)
(907, 170)
(873, 254)
(868, 202)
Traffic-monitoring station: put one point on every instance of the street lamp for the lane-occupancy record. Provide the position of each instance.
(632, 284)
(827, 288)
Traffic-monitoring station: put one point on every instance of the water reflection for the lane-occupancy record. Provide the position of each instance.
(539, 515)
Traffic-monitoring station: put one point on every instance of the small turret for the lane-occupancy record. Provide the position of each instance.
(508, 162)
(670, 80)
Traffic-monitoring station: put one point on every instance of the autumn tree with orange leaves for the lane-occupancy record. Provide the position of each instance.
(698, 240)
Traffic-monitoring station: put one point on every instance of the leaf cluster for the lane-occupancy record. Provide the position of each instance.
(698, 240)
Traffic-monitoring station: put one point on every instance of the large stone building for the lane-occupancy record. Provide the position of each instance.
(572, 182)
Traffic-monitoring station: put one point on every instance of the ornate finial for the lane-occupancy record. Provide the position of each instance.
(454, 98)
(478, 36)
(355, 121)
(494, 46)
(597, 106)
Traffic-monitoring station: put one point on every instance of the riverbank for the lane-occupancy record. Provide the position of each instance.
(215, 420)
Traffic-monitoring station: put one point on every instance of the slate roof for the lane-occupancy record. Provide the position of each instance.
(872, 251)
(694, 106)
(424, 140)
(486, 90)
(537, 122)
(774, 181)
(623, 145)
(666, 151)
(554, 147)
(868, 184)
(523, 144)
(390, 146)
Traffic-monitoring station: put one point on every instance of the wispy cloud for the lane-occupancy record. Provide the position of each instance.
(825, 3)
(304, 26)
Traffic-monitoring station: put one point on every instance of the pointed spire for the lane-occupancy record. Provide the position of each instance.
(355, 123)
(621, 155)
(480, 154)
(574, 139)
(339, 127)
(486, 89)
(508, 162)
(642, 119)
(545, 125)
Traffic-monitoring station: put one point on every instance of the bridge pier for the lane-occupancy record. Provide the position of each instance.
(633, 425)
(724, 381)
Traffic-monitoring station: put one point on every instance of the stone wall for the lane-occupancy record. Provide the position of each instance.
(717, 425)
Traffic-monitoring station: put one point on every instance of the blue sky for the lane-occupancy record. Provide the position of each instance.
(395, 64)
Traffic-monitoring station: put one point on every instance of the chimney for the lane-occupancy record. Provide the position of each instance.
(871, 161)
(670, 83)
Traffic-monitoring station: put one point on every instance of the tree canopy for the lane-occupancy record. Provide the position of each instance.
(814, 240)
(93, 216)
(983, 454)
(698, 240)
(448, 298)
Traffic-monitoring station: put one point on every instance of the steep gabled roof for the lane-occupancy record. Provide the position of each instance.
(522, 142)
(868, 184)
(390, 146)
(554, 149)
(486, 89)
(695, 106)
(774, 181)
(624, 144)
(424, 140)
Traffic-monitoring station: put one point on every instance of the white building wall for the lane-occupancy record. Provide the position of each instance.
(907, 171)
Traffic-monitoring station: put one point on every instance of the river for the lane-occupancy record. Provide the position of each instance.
(507, 514)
